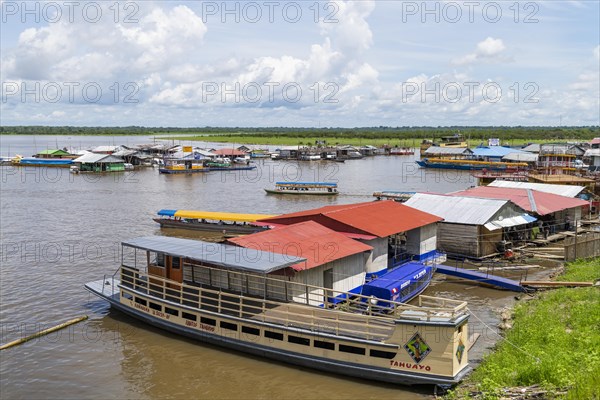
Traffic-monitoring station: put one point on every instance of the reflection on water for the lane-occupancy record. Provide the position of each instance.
(60, 231)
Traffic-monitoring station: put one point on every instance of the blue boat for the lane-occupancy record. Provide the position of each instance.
(401, 284)
(469, 164)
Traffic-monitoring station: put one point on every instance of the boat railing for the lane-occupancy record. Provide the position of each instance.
(355, 315)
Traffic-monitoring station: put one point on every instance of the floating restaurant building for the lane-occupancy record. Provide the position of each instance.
(396, 233)
(558, 211)
(472, 227)
(96, 162)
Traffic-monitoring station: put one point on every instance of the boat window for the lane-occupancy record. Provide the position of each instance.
(324, 345)
(228, 325)
(141, 301)
(299, 340)
(274, 335)
(127, 296)
(176, 263)
(352, 349)
(155, 306)
(250, 330)
(172, 311)
(191, 317)
(382, 354)
(208, 321)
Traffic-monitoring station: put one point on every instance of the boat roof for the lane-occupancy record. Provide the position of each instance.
(217, 254)
(219, 216)
(328, 184)
(319, 244)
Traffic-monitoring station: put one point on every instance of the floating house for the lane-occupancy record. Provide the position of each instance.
(55, 154)
(472, 227)
(594, 156)
(93, 162)
(554, 209)
(395, 232)
(332, 260)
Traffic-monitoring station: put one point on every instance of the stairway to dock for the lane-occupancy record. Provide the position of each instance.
(481, 277)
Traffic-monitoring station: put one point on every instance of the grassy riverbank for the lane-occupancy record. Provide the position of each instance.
(554, 343)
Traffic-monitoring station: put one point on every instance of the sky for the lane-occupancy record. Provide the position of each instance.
(300, 63)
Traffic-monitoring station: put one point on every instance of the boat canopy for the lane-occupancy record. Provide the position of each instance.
(217, 216)
(217, 254)
(312, 184)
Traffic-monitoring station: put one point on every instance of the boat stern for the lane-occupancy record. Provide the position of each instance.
(434, 342)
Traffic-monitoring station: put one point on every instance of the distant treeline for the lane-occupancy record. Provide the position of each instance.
(381, 132)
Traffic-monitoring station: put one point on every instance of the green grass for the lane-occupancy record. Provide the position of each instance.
(554, 342)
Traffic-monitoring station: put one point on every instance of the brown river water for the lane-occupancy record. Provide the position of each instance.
(59, 231)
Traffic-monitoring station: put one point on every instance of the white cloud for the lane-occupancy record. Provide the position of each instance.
(489, 50)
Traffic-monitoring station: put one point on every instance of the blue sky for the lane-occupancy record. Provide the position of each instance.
(352, 63)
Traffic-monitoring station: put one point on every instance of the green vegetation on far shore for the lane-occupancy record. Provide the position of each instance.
(554, 343)
(401, 136)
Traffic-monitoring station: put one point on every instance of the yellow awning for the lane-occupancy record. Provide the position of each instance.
(220, 216)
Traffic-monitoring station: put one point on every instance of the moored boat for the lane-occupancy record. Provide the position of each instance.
(468, 164)
(182, 166)
(227, 223)
(308, 188)
(221, 295)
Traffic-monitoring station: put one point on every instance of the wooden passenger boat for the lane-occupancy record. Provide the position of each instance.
(209, 221)
(308, 188)
(218, 294)
(469, 164)
(182, 166)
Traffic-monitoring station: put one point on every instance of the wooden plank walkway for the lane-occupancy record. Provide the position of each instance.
(481, 277)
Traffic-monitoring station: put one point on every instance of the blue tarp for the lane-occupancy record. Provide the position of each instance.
(389, 285)
(167, 213)
(529, 218)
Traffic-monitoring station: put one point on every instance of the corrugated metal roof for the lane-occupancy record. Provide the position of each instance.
(95, 157)
(310, 240)
(434, 150)
(105, 149)
(494, 151)
(229, 152)
(379, 218)
(457, 209)
(561, 190)
(542, 204)
(532, 148)
(220, 255)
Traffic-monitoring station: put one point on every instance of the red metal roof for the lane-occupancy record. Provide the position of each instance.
(229, 152)
(318, 244)
(378, 218)
(528, 199)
